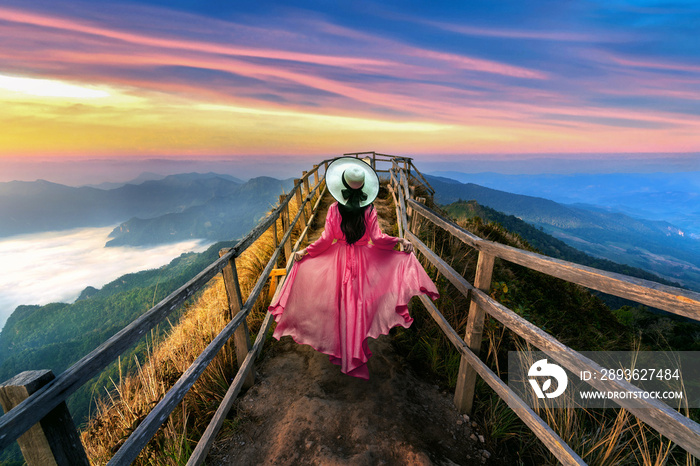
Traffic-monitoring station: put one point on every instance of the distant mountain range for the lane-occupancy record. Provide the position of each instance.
(176, 207)
(647, 244)
(225, 215)
(544, 243)
(673, 197)
(143, 177)
(219, 207)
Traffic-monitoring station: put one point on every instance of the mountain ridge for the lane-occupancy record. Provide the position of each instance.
(646, 244)
(670, 196)
(41, 206)
(226, 214)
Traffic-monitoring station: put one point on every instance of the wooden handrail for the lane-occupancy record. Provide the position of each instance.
(18, 420)
(148, 428)
(200, 452)
(204, 445)
(33, 409)
(675, 300)
(422, 179)
(664, 419)
(559, 448)
(658, 415)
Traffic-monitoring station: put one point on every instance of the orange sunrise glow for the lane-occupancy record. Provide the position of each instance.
(94, 85)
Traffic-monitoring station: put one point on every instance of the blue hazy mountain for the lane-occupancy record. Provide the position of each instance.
(673, 197)
(229, 214)
(39, 206)
(143, 177)
(653, 245)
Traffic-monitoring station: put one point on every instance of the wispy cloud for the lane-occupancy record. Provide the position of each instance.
(527, 80)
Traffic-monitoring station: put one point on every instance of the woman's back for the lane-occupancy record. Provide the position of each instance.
(344, 293)
(354, 285)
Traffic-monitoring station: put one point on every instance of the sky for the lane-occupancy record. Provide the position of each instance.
(264, 82)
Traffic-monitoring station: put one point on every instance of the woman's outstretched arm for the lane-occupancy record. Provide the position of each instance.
(326, 239)
(379, 238)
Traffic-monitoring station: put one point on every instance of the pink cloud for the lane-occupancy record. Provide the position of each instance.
(330, 69)
(131, 50)
(185, 45)
(654, 65)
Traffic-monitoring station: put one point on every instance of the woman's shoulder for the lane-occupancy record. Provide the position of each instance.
(333, 211)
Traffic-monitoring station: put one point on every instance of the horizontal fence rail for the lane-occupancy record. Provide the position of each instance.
(148, 428)
(665, 420)
(671, 299)
(27, 413)
(404, 178)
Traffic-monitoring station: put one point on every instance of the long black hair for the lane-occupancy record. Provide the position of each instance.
(352, 222)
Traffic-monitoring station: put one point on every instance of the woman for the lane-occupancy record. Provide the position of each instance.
(350, 284)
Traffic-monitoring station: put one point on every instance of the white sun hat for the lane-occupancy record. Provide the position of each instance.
(345, 174)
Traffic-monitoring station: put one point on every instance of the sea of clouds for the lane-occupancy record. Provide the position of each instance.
(55, 267)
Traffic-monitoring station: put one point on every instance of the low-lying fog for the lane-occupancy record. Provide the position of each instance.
(55, 267)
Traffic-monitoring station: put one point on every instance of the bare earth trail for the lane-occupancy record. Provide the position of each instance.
(303, 410)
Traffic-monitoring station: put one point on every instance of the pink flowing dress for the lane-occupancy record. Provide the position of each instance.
(340, 294)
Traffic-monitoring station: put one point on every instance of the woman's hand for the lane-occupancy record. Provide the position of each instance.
(299, 255)
(407, 245)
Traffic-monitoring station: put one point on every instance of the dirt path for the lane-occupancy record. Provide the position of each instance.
(304, 411)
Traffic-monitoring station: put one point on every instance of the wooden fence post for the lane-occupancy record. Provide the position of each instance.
(53, 440)
(309, 207)
(241, 337)
(299, 201)
(315, 175)
(274, 236)
(284, 217)
(466, 378)
(415, 217)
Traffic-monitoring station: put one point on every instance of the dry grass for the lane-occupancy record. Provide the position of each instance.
(600, 437)
(132, 397)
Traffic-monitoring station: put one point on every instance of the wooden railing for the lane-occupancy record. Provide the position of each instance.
(32, 399)
(405, 162)
(40, 400)
(665, 420)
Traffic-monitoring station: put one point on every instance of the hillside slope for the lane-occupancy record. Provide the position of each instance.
(645, 244)
(670, 196)
(545, 243)
(57, 335)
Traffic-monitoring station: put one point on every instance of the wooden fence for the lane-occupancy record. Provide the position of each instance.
(31, 400)
(665, 420)
(35, 402)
